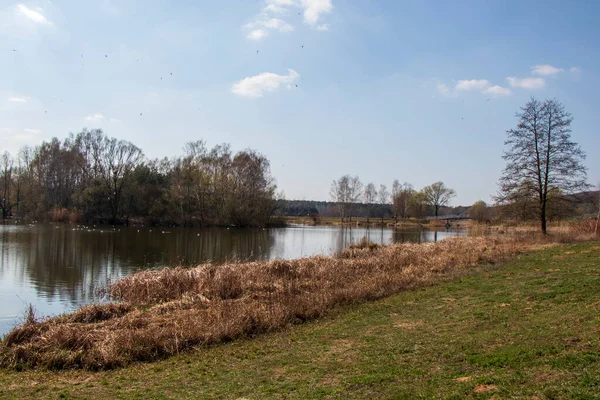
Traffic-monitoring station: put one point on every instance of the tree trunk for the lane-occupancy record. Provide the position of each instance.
(543, 217)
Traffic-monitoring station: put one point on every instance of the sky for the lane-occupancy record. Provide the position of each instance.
(419, 91)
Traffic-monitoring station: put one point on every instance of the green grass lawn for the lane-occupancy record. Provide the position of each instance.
(526, 329)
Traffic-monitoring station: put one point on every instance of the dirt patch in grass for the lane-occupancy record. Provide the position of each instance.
(408, 324)
(484, 388)
(464, 379)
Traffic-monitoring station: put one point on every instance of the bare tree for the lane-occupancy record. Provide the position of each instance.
(355, 194)
(346, 192)
(370, 197)
(541, 152)
(396, 186)
(340, 194)
(438, 195)
(113, 162)
(6, 169)
(383, 198)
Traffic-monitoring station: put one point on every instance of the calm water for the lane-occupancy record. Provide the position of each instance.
(59, 267)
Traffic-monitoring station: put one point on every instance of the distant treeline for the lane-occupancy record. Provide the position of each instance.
(584, 204)
(298, 208)
(90, 177)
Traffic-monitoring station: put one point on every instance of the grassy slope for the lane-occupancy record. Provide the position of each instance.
(528, 329)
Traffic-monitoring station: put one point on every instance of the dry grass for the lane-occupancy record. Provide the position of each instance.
(585, 227)
(164, 312)
(64, 215)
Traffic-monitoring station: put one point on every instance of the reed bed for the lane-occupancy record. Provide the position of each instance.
(161, 313)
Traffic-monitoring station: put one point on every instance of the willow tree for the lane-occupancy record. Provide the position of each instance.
(541, 157)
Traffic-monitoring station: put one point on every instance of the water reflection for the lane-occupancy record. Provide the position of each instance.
(59, 267)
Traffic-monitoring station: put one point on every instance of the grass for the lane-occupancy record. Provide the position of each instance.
(527, 329)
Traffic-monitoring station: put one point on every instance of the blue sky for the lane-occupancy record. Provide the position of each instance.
(418, 91)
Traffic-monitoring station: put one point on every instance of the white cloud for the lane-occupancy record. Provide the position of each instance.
(94, 118)
(478, 85)
(497, 91)
(278, 6)
(277, 24)
(256, 86)
(312, 12)
(32, 131)
(444, 90)
(314, 8)
(257, 34)
(526, 83)
(472, 84)
(574, 70)
(17, 99)
(33, 15)
(545, 70)
(261, 26)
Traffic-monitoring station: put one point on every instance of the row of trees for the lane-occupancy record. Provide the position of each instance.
(408, 202)
(92, 177)
(348, 191)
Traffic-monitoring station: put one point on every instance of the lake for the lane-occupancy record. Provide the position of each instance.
(58, 268)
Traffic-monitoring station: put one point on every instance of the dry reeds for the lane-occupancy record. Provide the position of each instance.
(64, 215)
(164, 312)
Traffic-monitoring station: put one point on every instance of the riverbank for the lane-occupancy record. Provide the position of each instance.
(524, 329)
(165, 312)
(355, 221)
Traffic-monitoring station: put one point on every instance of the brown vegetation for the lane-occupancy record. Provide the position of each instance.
(65, 215)
(585, 227)
(164, 312)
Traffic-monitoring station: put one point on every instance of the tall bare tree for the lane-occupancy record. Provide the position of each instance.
(540, 152)
(355, 193)
(438, 195)
(370, 197)
(339, 193)
(346, 192)
(6, 182)
(383, 198)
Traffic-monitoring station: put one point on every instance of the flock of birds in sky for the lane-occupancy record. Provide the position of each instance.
(161, 78)
(171, 73)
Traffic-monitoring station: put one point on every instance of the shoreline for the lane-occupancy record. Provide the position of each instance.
(165, 312)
